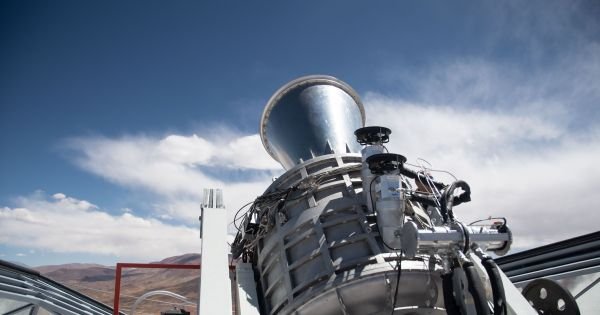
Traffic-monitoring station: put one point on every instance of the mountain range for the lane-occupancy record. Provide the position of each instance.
(98, 282)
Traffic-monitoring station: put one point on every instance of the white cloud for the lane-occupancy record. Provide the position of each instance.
(522, 130)
(521, 163)
(59, 196)
(174, 169)
(70, 225)
(524, 166)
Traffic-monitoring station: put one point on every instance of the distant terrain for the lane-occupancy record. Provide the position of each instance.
(98, 282)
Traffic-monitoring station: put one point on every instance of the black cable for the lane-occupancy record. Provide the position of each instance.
(428, 200)
(466, 234)
(273, 195)
(300, 196)
(386, 245)
(448, 290)
(371, 192)
(292, 189)
(420, 177)
(498, 295)
(238, 212)
(448, 199)
(476, 289)
(283, 200)
(398, 275)
(237, 248)
(261, 206)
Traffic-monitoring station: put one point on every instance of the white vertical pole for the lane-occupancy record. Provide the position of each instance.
(215, 284)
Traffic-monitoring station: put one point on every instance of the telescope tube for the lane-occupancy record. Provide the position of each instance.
(309, 117)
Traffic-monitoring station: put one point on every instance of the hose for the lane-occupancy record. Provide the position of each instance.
(420, 177)
(449, 300)
(499, 297)
(448, 199)
(476, 289)
(424, 199)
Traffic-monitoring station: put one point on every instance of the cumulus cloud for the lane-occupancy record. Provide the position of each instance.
(524, 164)
(234, 152)
(171, 168)
(522, 129)
(65, 224)
(523, 156)
(176, 168)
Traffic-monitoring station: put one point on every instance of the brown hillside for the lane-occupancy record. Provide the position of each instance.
(97, 282)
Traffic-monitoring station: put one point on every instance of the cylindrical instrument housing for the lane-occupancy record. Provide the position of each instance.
(446, 239)
(390, 210)
(367, 175)
(309, 117)
(321, 254)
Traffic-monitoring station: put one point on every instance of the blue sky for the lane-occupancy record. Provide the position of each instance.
(114, 116)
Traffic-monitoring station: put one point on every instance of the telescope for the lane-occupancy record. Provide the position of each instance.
(346, 229)
(310, 117)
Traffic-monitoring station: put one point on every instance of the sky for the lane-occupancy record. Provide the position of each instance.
(115, 115)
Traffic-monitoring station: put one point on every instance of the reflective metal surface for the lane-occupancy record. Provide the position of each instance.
(322, 255)
(309, 117)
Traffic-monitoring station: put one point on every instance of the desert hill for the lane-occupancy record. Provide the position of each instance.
(98, 282)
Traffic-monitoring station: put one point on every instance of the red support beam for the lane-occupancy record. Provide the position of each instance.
(117, 297)
(120, 266)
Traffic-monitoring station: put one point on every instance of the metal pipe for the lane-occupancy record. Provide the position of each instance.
(444, 238)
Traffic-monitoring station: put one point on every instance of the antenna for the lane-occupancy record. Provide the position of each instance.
(309, 117)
